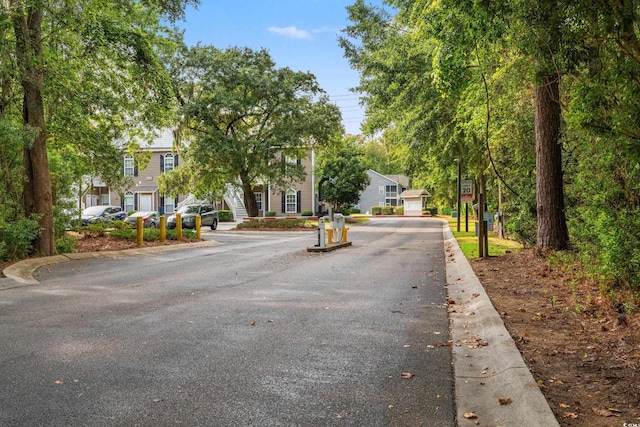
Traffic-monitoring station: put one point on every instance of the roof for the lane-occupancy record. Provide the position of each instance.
(400, 179)
(415, 193)
(396, 179)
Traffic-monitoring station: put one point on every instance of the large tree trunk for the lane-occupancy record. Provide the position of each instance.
(552, 224)
(249, 199)
(38, 199)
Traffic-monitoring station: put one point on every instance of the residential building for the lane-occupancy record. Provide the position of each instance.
(299, 197)
(143, 194)
(383, 190)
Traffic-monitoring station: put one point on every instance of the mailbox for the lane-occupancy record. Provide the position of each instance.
(338, 221)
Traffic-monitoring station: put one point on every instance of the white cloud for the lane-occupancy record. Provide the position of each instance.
(291, 32)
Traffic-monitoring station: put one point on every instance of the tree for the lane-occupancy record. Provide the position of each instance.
(247, 120)
(346, 172)
(46, 36)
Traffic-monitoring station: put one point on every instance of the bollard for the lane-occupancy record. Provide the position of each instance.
(178, 226)
(139, 231)
(330, 235)
(344, 234)
(163, 229)
(321, 233)
(198, 224)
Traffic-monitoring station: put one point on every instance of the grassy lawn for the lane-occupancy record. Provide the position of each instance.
(469, 242)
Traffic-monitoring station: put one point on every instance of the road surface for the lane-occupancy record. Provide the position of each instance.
(255, 331)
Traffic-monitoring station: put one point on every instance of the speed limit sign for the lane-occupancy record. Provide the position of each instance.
(466, 191)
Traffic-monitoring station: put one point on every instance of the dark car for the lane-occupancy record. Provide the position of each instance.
(150, 219)
(207, 213)
(102, 214)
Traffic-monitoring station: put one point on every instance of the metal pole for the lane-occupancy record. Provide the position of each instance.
(459, 191)
(466, 217)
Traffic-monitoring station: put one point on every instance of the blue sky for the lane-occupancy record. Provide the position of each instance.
(299, 34)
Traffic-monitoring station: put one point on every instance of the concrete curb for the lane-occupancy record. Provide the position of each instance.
(492, 380)
(22, 272)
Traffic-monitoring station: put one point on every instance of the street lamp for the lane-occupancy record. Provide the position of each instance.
(459, 161)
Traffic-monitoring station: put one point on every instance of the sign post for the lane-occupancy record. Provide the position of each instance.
(466, 197)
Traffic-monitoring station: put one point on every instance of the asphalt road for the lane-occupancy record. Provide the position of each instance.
(255, 331)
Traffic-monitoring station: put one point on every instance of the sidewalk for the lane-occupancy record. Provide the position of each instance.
(493, 385)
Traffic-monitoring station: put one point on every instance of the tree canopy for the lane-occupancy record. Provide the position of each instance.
(346, 172)
(78, 76)
(536, 98)
(247, 121)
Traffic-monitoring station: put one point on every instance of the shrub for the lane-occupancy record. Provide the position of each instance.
(433, 210)
(151, 234)
(270, 213)
(387, 210)
(16, 238)
(399, 210)
(275, 224)
(93, 230)
(65, 244)
(355, 211)
(446, 211)
(307, 212)
(376, 210)
(225, 216)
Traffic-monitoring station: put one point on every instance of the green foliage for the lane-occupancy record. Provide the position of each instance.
(247, 120)
(261, 224)
(16, 238)
(65, 244)
(387, 210)
(307, 212)
(344, 165)
(150, 234)
(433, 210)
(398, 210)
(225, 216)
(270, 213)
(376, 210)
(92, 229)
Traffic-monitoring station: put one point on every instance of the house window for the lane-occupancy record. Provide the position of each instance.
(169, 205)
(258, 197)
(129, 166)
(381, 189)
(391, 195)
(168, 162)
(128, 201)
(291, 202)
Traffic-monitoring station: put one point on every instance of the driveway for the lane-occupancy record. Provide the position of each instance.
(255, 331)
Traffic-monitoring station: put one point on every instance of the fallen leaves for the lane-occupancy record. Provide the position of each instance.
(470, 415)
(609, 412)
(505, 400)
(406, 375)
(474, 342)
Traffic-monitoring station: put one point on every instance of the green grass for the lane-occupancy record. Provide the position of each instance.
(469, 242)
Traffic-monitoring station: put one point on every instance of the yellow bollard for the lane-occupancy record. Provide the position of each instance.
(330, 235)
(178, 227)
(344, 234)
(163, 229)
(139, 231)
(198, 224)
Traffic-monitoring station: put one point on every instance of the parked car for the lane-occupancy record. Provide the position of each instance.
(102, 214)
(150, 219)
(207, 213)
